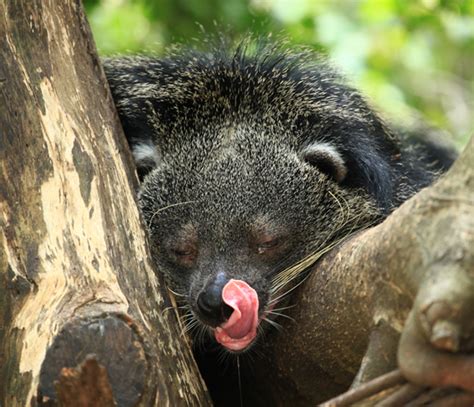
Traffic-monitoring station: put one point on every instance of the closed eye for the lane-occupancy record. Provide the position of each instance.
(185, 255)
(263, 247)
(182, 252)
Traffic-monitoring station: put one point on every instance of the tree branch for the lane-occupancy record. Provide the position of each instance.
(412, 275)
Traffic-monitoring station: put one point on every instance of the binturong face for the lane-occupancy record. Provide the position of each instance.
(228, 228)
(253, 161)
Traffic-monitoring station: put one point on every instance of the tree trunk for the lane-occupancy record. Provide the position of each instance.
(411, 276)
(76, 278)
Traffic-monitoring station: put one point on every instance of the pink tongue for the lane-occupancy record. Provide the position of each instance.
(241, 328)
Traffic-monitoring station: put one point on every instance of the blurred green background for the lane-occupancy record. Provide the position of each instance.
(414, 59)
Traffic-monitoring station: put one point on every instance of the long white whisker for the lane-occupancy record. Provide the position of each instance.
(165, 208)
(276, 325)
(275, 300)
(283, 308)
(280, 315)
(176, 293)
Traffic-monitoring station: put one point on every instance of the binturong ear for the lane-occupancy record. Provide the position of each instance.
(146, 157)
(327, 159)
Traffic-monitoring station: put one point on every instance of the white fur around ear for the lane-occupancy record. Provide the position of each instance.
(327, 158)
(145, 154)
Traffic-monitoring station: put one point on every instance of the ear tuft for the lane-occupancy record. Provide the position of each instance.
(146, 157)
(327, 159)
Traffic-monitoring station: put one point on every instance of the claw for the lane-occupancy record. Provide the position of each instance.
(426, 365)
(445, 336)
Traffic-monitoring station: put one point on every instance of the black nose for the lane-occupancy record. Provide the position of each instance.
(210, 306)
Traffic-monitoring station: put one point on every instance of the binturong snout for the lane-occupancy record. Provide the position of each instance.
(231, 308)
(211, 308)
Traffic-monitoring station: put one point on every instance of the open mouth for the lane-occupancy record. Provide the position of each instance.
(240, 330)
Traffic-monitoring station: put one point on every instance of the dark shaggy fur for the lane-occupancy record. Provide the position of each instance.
(251, 161)
(230, 131)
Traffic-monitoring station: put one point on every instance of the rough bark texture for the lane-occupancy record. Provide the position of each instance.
(75, 273)
(87, 385)
(411, 276)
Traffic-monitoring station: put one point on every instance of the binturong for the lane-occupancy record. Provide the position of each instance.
(254, 160)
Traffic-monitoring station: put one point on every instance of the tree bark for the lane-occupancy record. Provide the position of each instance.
(77, 289)
(401, 292)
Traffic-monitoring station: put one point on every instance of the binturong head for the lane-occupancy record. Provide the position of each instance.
(252, 163)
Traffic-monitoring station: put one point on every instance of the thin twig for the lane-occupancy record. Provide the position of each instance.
(402, 396)
(368, 389)
(443, 397)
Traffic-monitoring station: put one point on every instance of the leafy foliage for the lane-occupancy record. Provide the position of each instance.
(413, 58)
